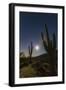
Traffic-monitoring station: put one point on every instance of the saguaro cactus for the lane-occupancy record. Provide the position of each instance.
(30, 49)
(50, 46)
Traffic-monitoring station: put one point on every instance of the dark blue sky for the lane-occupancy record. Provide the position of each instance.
(31, 26)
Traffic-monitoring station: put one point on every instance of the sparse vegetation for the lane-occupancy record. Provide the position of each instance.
(43, 65)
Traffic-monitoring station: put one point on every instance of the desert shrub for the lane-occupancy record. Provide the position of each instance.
(28, 71)
(23, 62)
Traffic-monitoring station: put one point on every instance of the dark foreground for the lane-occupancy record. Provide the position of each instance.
(40, 66)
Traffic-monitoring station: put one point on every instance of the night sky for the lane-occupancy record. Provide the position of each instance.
(31, 26)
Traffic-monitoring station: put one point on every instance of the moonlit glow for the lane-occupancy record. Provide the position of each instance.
(37, 47)
(31, 31)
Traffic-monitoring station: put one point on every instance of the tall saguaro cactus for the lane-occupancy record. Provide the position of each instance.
(50, 46)
(30, 49)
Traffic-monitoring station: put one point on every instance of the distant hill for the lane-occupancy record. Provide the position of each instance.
(43, 58)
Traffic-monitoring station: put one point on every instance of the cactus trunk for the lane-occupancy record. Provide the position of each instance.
(30, 49)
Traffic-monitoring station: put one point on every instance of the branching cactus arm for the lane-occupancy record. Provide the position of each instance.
(44, 42)
(47, 34)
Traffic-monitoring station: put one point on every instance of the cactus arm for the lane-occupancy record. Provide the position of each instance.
(44, 42)
(47, 34)
(54, 41)
(45, 46)
(42, 36)
(29, 49)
